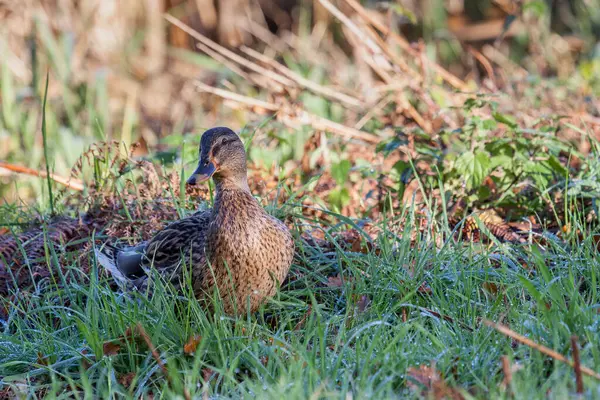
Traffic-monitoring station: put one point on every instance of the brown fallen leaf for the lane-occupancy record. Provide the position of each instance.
(490, 287)
(434, 385)
(127, 379)
(84, 360)
(352, 240)
(191, 345)
(207, 373)
(363, 303)
(424, 288)
(335, 281)
(110, 348)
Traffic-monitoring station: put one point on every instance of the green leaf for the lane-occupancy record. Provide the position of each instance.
(505, 119)
(489, 124)
(501, 160)
(474, 167)
(340, 171)
(558, 168)
(338, 198)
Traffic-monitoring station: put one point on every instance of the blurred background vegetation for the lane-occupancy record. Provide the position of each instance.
(121, 71)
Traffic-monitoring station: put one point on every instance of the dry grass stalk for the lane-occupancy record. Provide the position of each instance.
(228, 53)
(257, 106)
(360, 34)
(264, 35)
(445, 75)
(507, 369)
(577, 365)
(291, 116)
(375, 110)
(71, 183)
(300, 80)
(485, 63)
(397, 60)
(541, 348)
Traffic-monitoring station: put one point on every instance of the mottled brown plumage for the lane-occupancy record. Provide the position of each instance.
(235, 248)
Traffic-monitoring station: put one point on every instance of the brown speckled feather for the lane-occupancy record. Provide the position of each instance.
(249, 251)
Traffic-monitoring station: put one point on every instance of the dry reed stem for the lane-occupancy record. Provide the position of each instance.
(263, 34)
(504, 62)
(396, 59)
(374, 110)
(541, 348)
(71, 183)
(360, 34)
(445, 75)
(223, 60)
(301, 117)
(506, 368)
(484, 62)
(300, 80)
(577, 365)
(228, 53)
(226, 94)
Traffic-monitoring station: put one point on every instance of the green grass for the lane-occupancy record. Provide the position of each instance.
(317, 338)
(52, 342)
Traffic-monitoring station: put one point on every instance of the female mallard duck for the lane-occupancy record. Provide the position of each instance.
(235, 247)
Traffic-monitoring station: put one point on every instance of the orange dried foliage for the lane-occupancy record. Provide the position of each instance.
(191, 345)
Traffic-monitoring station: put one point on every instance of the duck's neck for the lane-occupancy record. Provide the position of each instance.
(233, 201)
(238, 183)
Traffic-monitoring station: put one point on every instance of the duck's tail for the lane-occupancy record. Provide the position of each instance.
(107, 256)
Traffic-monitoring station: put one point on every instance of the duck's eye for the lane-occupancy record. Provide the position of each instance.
(206, 163)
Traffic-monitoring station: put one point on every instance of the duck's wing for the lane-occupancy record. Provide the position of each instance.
(123, 263)
(177, 240)
(127, 264)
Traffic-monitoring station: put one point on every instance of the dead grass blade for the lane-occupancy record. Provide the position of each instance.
(230, 54)
(71, 183)
(577, 365)
(541, 348)
(507, 369)
(445, 75)
(291, 118)
(300, 80)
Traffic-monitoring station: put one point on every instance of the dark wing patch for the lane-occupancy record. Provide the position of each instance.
(167, 246)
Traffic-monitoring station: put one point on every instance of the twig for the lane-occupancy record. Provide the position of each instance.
(142, 332)
(485, 63)
(378, 107)
(445, 75)
(307, 84)
(71, 183)
(226, 94)
(399, 61)
(352, 26)
(577, 364)
(541, 348)
(228, 53)
(507, 371)
(300, 115)
(264, 34)
(413, 113)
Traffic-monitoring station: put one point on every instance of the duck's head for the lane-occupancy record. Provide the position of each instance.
(223, 157)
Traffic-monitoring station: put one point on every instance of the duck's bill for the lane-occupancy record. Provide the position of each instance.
(202, 173)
